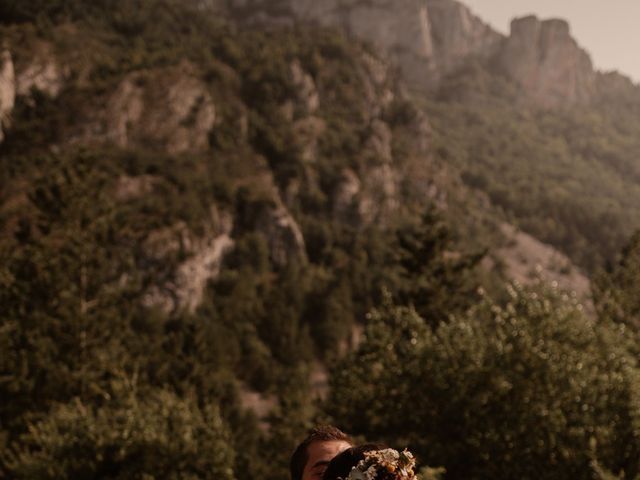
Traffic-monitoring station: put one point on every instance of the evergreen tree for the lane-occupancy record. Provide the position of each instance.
(432, 276)
(69, 289)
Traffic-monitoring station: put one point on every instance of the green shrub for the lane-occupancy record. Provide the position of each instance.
(526, 390)
(152, 436)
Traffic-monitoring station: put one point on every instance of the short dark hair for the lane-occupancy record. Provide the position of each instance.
(322, 433)
(343, 463)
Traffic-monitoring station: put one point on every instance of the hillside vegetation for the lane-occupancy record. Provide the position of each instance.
(570, 176)
(193, 214)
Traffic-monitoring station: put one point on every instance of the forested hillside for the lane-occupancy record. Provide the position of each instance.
(568, 176)
(198, 216)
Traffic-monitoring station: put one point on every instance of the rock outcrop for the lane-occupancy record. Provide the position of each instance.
(548, 63)
(458, 34)
(283, 235)
(430, 39)
(301, 110)
(205, 254)
(7, 91)
(168, 108)
(426, 39)
(527, 260)
(43, 73)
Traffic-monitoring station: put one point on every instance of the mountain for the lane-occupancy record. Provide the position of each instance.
(195, 214)
(201, 203)
(427, 39)
(452, 60)
(547, 63)
(430, 39)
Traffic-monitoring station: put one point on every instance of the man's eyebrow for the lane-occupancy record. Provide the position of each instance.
(321, 463)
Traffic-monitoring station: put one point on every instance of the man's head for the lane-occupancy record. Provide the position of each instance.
(312, 456)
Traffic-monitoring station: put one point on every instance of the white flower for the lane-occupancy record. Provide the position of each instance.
(389, 460)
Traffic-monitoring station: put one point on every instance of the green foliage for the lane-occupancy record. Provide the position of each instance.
(153, 436)
(65, 281)
(290, 419)
(616, 289)
(491, 391)
(516, 391)
(434, 279)
(568, 177)
(74, 273)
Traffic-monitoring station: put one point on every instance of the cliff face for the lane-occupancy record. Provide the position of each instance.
(458, 34)
(426, 39)
(430, 39)
(133, 116)
(336, 147)
(543, 58)
(41, 72)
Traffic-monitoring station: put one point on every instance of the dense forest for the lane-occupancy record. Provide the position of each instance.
(194, 214)
(569, 177)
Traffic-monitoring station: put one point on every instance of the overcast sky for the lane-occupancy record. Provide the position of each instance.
(608, 29)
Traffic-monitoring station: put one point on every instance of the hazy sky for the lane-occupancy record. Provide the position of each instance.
(608, 29)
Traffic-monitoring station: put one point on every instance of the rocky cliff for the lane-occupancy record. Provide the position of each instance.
(40, 72)
(430, 39)
(458, 35)
(426, 38)
(323, 150)
(546, 61)
(134, 116)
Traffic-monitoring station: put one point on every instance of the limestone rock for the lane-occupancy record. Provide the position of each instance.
(7, 91)
(307, 135)
(129, 188)
(430, 39)
(372, 197)
(548, 63)
(169, 108)
(185, 290)
(379, 197)
(283, 235)
(376, 86)
(527, 260)
(345, 206)
(43, 74)
(400, 28)
(379, 142)
(308, 100)
(425, 38)
(305, 100)
(204, 265)
(458, 34)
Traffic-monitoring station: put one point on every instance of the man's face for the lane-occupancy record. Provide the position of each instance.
(320, 454)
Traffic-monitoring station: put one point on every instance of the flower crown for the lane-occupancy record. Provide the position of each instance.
(387, 464)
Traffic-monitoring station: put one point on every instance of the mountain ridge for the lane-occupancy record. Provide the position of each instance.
(430, 39)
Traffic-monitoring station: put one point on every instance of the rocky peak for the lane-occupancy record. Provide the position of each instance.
(425, 38)
(429, 39)
(458, 34)
(547, 62)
